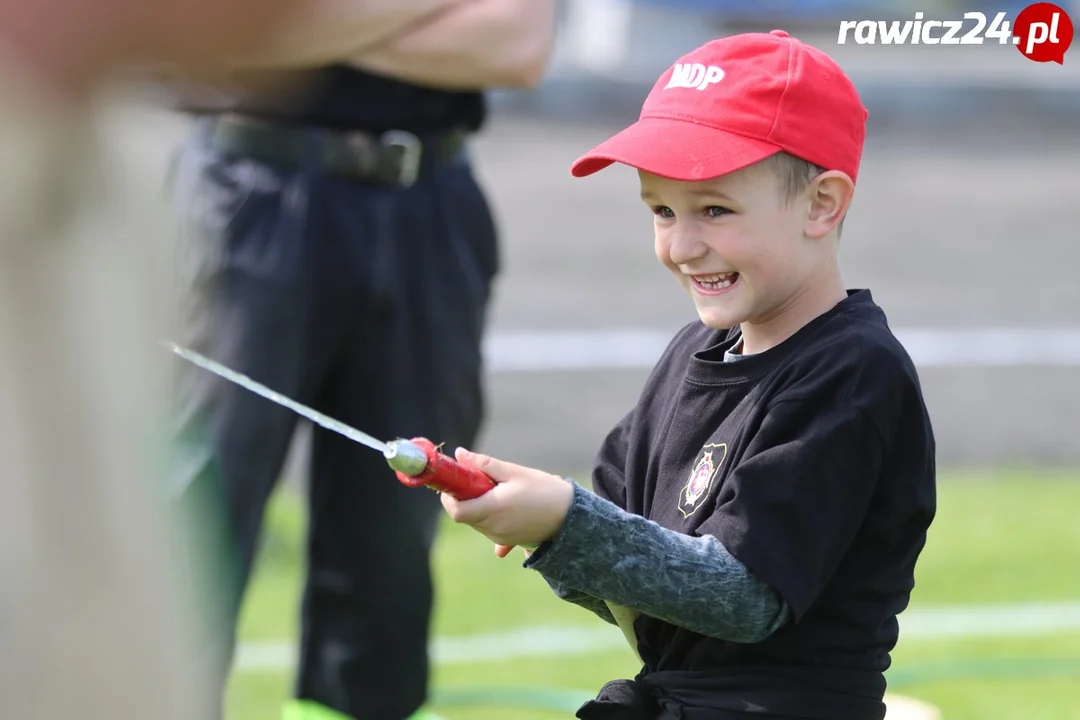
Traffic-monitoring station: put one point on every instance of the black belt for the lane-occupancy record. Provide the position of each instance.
(394, 158)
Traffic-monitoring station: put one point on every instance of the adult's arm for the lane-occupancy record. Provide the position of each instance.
(331, 31)
(473, 45)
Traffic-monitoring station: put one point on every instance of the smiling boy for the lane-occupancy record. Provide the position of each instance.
(756, 519)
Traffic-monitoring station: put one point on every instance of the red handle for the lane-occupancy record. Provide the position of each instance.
(445, 474)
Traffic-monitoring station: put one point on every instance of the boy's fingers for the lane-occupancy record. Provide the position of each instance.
(497, 470)
(449, 503)
(468, 512)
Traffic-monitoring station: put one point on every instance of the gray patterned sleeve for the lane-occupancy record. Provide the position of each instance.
(606, 553)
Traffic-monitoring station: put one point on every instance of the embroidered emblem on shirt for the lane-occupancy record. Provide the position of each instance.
(701, 478)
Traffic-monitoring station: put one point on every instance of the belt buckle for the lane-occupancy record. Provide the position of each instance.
(411, 150)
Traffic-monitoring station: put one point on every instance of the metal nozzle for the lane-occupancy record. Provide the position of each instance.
(405, 457)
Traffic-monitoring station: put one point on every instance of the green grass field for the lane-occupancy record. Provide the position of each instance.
(999, 539)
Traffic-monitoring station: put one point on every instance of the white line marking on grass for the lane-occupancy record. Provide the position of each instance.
(537, 641)
(990, 621)
(923, 624)
(526, 642)
(576, 350)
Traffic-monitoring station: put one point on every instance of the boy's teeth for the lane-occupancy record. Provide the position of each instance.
(715, 282)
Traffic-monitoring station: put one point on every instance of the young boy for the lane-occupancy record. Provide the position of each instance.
(755, 520)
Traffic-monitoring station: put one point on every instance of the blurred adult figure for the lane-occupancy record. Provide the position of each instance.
(343, 255)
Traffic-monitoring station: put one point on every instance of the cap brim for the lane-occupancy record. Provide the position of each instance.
(675, 149)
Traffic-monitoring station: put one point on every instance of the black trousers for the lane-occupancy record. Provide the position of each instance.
(367, 303)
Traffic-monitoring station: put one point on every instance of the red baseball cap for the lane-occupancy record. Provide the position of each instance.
(735, 101)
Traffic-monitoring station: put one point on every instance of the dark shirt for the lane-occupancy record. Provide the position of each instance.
(342, 97)
(813, 464)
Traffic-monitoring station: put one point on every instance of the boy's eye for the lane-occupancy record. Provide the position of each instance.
(716, 211)
(663, 211)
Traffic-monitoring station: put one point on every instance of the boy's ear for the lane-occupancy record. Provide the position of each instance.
(830, 195)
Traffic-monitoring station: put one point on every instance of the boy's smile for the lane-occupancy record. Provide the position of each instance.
(714, 284)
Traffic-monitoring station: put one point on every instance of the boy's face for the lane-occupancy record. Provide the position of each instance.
(735, 244)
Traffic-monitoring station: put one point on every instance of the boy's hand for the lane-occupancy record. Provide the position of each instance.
(526, 506)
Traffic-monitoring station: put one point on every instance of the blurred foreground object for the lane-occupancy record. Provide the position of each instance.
(93, 624)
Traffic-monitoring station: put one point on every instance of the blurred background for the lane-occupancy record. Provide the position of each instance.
(966, 226)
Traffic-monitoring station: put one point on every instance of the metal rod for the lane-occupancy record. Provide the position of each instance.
(313, 415)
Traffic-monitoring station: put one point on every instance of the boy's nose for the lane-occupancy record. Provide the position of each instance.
(684, 247)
